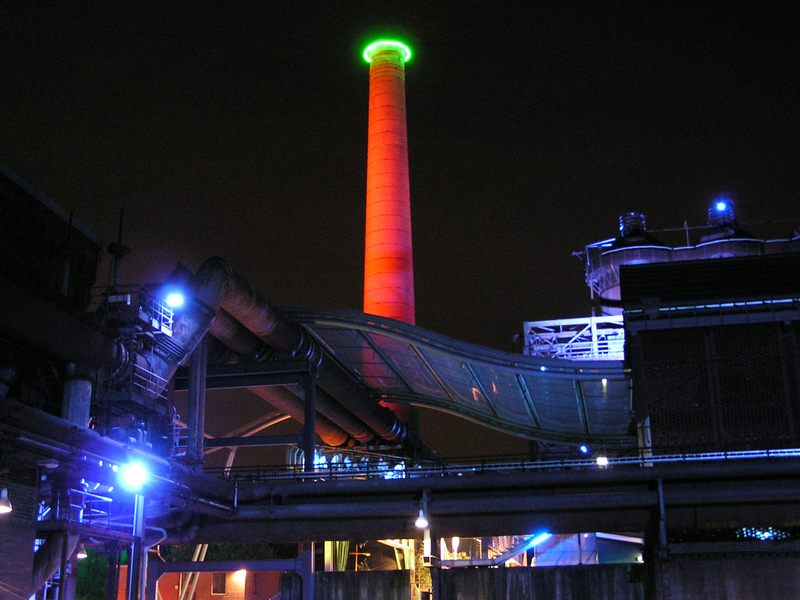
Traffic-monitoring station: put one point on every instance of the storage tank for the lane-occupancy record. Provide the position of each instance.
(724, 239)
(633, 246)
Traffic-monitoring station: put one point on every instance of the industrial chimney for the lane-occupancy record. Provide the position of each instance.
(388, 261)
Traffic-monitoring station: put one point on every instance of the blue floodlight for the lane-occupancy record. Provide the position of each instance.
(174, 299)
(539, 538)
(133, 476)
(584, 449)
(721, 212)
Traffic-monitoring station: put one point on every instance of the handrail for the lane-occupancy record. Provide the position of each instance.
(337, 470)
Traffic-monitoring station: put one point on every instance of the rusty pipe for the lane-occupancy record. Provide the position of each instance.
(218, 285)
(286, 402)
(244, 343)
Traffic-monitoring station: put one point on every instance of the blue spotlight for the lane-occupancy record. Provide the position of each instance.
(584, 449)
(174, 299)
(538, 539)
(133, 476)
(721, 212)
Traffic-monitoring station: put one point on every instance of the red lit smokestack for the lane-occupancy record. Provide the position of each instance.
(388, 261)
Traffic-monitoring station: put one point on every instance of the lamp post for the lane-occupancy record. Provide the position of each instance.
(135, 560)
(132, 478)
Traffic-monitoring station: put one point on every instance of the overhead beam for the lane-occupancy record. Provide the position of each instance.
(251, 375)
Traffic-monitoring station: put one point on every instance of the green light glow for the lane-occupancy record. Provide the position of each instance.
(385, 45)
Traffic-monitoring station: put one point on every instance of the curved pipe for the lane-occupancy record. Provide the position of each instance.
(184, 535)
(218, 285)
(244, 343)
(48, 559)
(236, 337)
(286, 402)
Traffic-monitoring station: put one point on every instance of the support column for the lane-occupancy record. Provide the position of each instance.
(77, 398)
(135, 555)
(153, 574)
(310, 425)
(662, 521)
(112, 572)
(306, 560)
(197, 402)
(63, 573)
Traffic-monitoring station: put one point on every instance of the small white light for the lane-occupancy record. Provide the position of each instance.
(422, 520)
(602, 461)
(81, 552)
(5, 503)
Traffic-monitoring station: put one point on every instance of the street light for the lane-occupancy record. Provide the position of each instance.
(422, 520)
(422, 517)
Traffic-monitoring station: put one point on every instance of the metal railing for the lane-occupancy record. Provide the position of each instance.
(507, 464)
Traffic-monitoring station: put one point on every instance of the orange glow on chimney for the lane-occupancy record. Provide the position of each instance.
(388, 261)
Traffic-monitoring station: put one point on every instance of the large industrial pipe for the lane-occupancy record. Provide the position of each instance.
(242, 341)
(286, 402)
(49, 558)
(30, 420)
(218, 285)
(388, 260)
(236, 337)
(334, 424)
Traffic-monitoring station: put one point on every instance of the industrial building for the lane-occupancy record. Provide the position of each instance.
(663, 428)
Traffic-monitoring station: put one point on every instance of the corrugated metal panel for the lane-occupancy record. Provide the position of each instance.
(749, 277)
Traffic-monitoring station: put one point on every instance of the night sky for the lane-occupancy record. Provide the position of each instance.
(240, 130)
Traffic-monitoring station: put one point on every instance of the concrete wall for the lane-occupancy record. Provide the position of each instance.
(17, 534)
(749, 577)
(16, 557)
(349, 585)
(590, 582)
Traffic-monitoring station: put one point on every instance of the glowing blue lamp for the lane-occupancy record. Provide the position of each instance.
(174, 299)
(721, 213)
(133, 476)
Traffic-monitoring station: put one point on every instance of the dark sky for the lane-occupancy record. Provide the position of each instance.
(239, 129)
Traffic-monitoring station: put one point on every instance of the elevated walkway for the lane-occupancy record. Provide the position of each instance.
(546, 399)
